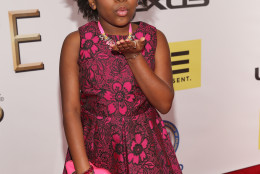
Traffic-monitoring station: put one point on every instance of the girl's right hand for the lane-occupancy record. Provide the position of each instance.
(128, 47)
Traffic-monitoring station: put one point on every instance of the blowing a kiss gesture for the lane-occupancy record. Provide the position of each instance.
(130, 49)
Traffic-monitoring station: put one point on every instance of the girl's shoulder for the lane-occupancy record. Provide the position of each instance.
(72, 38)
(150, 28)
(144, 26)
(145, 29)
(88, 24)
(88, 27)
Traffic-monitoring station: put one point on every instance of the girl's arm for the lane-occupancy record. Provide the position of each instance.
(157, 84)
(70, 96)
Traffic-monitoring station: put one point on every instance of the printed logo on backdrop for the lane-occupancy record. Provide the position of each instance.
(174, 136)
(186, 64)
(172, 4)
(1, 110)
(257, 74)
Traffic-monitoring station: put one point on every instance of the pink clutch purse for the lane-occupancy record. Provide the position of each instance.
(70, 168)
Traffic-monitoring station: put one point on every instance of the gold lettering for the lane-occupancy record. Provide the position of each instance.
(16, 39)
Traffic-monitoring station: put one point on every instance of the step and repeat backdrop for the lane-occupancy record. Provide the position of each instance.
(215, 56)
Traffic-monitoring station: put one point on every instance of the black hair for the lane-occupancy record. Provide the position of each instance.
(91, 14)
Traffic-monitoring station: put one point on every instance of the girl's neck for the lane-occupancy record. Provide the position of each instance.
(115, 30)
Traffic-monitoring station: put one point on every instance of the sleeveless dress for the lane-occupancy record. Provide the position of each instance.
(123, 132)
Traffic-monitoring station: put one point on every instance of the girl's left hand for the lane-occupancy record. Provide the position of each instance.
(128, 47)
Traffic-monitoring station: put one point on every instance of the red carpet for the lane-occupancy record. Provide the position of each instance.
(249, 170)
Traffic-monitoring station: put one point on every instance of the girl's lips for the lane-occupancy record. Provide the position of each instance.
(122, 11)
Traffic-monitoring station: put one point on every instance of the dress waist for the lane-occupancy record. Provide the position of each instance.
(115, 109)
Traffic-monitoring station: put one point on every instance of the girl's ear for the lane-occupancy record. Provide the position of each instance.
(92, 4)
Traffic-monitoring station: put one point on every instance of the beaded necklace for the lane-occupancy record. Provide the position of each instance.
(110, 41)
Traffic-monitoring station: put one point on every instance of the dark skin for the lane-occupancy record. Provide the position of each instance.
(156, 85)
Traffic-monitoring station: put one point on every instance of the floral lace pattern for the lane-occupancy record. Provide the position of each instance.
(122, 131)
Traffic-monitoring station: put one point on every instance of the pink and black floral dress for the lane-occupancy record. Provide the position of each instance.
(123, 132)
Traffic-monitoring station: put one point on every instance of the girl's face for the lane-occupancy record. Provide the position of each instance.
(115, 12)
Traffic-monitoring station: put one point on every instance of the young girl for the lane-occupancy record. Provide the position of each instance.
(114, 74)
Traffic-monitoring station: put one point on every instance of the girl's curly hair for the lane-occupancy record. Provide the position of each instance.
(91, 14)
